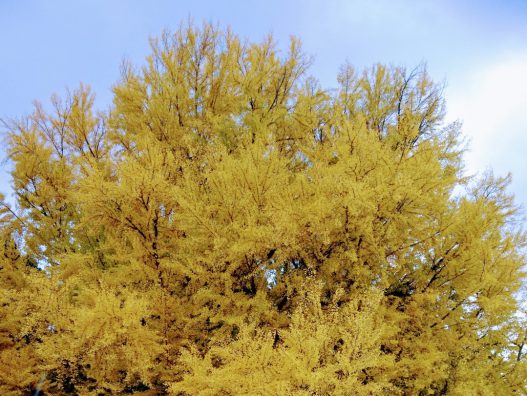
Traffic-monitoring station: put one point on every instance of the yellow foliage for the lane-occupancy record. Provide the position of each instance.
(230, 227)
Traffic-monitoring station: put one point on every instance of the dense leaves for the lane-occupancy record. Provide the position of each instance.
(231, 228)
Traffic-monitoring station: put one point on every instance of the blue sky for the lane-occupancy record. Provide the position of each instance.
(478, 48)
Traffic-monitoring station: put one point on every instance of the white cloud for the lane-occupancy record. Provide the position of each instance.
(492, 103)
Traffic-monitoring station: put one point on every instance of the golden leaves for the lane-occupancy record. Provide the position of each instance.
(230, 227)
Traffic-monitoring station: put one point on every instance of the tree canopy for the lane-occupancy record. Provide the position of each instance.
(230, 227)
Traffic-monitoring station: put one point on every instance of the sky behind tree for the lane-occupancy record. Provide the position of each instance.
(477, 48)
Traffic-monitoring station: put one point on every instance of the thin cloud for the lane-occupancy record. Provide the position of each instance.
(492, 104)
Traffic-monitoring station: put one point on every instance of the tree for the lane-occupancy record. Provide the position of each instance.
(229, 227)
